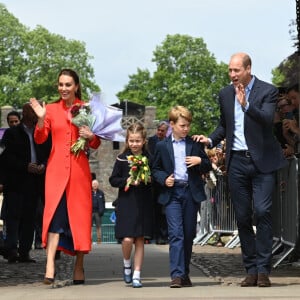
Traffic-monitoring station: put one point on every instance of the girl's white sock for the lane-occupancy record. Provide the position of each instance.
(136, 275)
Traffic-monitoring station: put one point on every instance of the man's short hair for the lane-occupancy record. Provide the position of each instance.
(13, 113)
(162, 123)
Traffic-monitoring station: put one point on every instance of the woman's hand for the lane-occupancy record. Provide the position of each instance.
(85, 132)
(40, 111)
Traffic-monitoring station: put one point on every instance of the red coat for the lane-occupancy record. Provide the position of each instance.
(66, 172)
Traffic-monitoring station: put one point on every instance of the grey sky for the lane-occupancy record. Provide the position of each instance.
(121, 35)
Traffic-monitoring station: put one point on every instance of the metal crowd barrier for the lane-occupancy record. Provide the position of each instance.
(108, 234)
(286, 210)
(219, 214)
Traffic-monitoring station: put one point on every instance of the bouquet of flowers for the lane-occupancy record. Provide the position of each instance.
(139, 170)
(103, 120)
(81, 115)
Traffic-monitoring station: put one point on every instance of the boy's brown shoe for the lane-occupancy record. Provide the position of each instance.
(250, 280)
(186, 282)
(263, 280)
(176, 283)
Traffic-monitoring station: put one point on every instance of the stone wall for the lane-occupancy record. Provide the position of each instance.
(4, 111)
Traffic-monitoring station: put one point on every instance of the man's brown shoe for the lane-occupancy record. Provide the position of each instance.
(176, 283)
(263, 280)
(250, 280)
(186, 282)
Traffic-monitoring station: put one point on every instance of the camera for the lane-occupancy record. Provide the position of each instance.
(289, 115)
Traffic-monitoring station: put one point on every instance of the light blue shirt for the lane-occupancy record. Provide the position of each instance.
(180, 172)
(239, 141)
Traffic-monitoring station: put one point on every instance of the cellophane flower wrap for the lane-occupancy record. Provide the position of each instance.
(139, 170)
(103, 120)
(81, 116)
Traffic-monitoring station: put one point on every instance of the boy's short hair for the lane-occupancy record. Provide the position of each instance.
(180, 111)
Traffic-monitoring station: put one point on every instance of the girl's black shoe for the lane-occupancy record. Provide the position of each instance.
(48, 280)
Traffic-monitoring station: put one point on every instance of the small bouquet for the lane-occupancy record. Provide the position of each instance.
(81, 115)
(139, 170)
(103, 120)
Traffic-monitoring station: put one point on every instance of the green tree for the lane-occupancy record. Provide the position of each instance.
(31, 59)
(286, 73)
(186, 74)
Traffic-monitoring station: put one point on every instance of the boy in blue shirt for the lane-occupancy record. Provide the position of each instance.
(178, 166)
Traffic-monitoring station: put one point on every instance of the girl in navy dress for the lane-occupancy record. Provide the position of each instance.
(134, 213)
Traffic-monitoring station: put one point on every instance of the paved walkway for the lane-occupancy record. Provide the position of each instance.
(104, 278)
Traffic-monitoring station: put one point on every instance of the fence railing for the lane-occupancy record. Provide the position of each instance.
(218, 215)
(286, 210)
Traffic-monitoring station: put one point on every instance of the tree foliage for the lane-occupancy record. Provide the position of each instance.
(186, 74)
(30, 61)
(286, 74)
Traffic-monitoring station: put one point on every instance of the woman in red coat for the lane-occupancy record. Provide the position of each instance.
(68, 210)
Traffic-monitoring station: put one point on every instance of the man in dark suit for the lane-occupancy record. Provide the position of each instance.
(178, 166)
(24, 166)
(160, 223)
(161, 133)
(252, 157)
(13, 119)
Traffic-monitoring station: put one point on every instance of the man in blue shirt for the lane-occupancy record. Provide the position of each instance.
(252, 157)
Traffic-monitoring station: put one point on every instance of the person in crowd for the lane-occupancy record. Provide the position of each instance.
(98, 199)
(206, 206)
(161, 132)
(253, 155)
(294, 96)
(282, 106)
(160, 226)
(134, 211)
(220, 152)
(213, 181)
(178, 166)
(13, 118)
(24, 166)
(286, 113)
(290, 123)
(68, 201)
